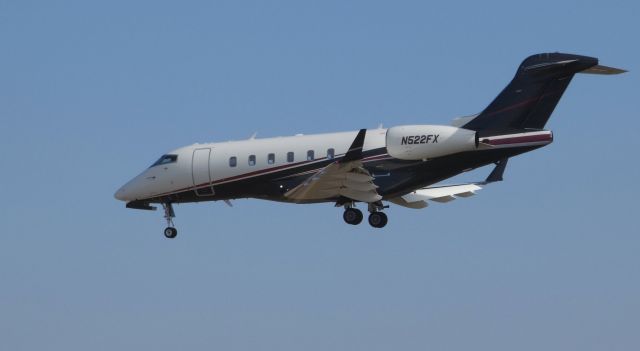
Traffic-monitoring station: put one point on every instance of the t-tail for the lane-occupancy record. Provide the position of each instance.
(528, 101)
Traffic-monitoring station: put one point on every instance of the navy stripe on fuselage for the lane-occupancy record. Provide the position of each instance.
(280, 172)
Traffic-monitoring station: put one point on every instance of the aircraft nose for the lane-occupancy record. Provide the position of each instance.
(122, 194)
(137, 188)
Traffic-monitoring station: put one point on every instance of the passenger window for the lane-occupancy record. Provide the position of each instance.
(252, 160)
(233, 161)
(289, 156)
(310, 155)
(271, 159)
(331, 153)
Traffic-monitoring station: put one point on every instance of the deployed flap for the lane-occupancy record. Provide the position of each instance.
(442, 193)
(402, 202)
(345, 177)
(349, 179)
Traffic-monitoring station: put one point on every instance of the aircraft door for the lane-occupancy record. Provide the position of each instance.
(201, 174)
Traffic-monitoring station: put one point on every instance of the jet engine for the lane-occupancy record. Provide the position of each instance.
(420, 142)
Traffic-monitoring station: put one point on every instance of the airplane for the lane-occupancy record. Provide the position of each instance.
(399, 165)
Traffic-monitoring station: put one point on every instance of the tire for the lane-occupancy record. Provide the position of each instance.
(352, 216)
(378, 219)
(170, 232)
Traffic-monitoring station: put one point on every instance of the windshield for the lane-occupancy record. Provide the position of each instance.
(165, 159)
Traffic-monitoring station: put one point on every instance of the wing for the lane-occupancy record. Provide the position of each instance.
(345, 177)
(418, 198)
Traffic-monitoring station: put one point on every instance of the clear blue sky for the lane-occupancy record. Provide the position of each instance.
(93, 92)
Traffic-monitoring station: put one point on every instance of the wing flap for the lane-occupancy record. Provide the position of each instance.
(440, 194)
(415, 205)
(345, 177)
(443, 199)
(443, 191)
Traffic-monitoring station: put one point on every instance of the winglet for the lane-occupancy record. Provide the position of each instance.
(355, 151)
(496, 174)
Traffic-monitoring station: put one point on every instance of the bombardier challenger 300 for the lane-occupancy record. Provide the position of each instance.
(398, 165)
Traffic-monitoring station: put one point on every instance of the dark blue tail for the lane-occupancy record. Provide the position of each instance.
(528, 101)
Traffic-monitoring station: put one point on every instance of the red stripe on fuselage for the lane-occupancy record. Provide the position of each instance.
(262, 172)
(521, 139)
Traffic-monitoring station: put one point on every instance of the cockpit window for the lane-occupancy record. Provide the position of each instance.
(165, 159)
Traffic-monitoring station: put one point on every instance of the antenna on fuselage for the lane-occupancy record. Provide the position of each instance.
(253, 136)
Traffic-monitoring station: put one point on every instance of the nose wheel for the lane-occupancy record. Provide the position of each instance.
(170, 231)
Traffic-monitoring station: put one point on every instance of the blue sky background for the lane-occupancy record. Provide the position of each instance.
(92, 92)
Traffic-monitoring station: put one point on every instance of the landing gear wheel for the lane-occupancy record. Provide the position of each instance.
(352, 216)
(170, 232)
(378, 219)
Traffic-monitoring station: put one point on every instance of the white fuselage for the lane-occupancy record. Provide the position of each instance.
(212, 162)
(200, 168)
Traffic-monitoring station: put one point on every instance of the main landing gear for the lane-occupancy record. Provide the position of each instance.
(170, 231)
(377, 219)
(352, 216)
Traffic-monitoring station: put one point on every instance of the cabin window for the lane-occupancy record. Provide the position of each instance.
(290, 156)
(271, 159)
(310, 155)
(331, 153)
(165, 159)
(252, 160)
(233, 161)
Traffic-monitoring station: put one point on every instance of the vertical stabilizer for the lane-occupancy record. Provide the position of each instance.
(530, 98)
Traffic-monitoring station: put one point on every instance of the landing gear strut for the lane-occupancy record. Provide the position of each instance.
(170, 231)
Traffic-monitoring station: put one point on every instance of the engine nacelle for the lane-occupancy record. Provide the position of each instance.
(420, 142)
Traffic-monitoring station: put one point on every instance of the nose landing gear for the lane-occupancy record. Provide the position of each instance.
(170, 231)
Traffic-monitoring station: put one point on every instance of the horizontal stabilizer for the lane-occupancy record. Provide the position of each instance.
(599, 69)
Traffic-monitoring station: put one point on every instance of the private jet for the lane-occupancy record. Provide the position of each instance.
(401, 165)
